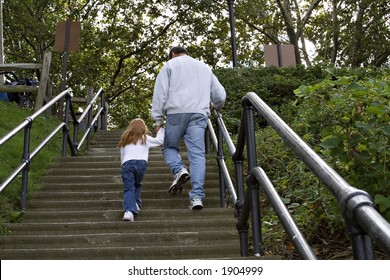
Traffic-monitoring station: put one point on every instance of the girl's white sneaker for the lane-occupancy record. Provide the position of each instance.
(128, 216)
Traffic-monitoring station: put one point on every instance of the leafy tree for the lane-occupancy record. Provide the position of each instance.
(123, 44)
(349, 33)
(283, 23)
(352, 33)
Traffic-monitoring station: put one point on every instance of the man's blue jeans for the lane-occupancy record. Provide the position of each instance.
(133, 172)
(190, 127)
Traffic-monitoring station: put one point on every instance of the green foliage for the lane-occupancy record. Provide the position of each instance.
(383, 203)
(347, 120)
(274, 85)
(11, 156)
(8, 213)
(314, 209)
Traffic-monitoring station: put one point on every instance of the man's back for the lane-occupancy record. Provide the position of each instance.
(186, 85)
(189, 86)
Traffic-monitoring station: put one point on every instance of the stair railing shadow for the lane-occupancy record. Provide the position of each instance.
(89, 116)
(364, 223)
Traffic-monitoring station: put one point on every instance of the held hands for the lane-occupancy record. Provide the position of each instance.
(158, 125)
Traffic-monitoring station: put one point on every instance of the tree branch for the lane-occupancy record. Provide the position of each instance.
(305, 19)
(262, 31)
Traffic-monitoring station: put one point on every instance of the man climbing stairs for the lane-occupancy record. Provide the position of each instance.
(77, 213)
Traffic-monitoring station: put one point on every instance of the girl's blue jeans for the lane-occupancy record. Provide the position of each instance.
(133, 172)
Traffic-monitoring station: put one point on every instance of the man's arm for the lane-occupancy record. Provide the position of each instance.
(218, 93)
(160, 96)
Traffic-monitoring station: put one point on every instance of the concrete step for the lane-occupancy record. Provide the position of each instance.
(119, 226)
(114, 178)
(108, 195)
(67, 163)
(69, 215)
(178, 202)
(115, 184)
(150, 178)
(162, 172)
(126, 253)
(104, 240)
(77, 213)
(103, 157)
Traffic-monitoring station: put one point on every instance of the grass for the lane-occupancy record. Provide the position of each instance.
(11, 155)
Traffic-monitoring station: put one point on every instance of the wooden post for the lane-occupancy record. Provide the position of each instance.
(48, 97)
(44, 81)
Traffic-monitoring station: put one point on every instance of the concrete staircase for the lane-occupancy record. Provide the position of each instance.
(77, 214)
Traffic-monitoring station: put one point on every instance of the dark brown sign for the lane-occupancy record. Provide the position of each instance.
(67, 36)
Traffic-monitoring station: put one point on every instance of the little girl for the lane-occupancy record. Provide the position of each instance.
(134, 148)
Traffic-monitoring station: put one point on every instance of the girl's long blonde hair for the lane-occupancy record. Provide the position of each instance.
(136, 130)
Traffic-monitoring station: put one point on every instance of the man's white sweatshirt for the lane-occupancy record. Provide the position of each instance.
(186, 85)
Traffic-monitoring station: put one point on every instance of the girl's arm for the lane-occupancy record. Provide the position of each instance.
(158, 140)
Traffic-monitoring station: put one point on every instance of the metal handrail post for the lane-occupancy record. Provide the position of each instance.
(253, 188)
(250, 137)
(362, 246)
(255, 219)
(103, 105)
(75, 133)
(243, 233)
(76, 126)
(26, 159)
(66, 127)
(89, 131)
(238, 165)
(220, 155)
(238, 160)
(243, 226)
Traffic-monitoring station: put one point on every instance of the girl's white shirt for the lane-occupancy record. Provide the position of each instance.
(140, 151)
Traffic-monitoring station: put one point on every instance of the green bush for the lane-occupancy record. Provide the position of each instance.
(343, 114)
(313, 207)
(347, 120)
(274, 85)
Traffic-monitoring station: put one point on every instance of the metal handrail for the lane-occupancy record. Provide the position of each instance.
(87, 133)
(74, 147)
(89, 106)
(356, 206)
(31, 118)
(258, 176)
(226, 182)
